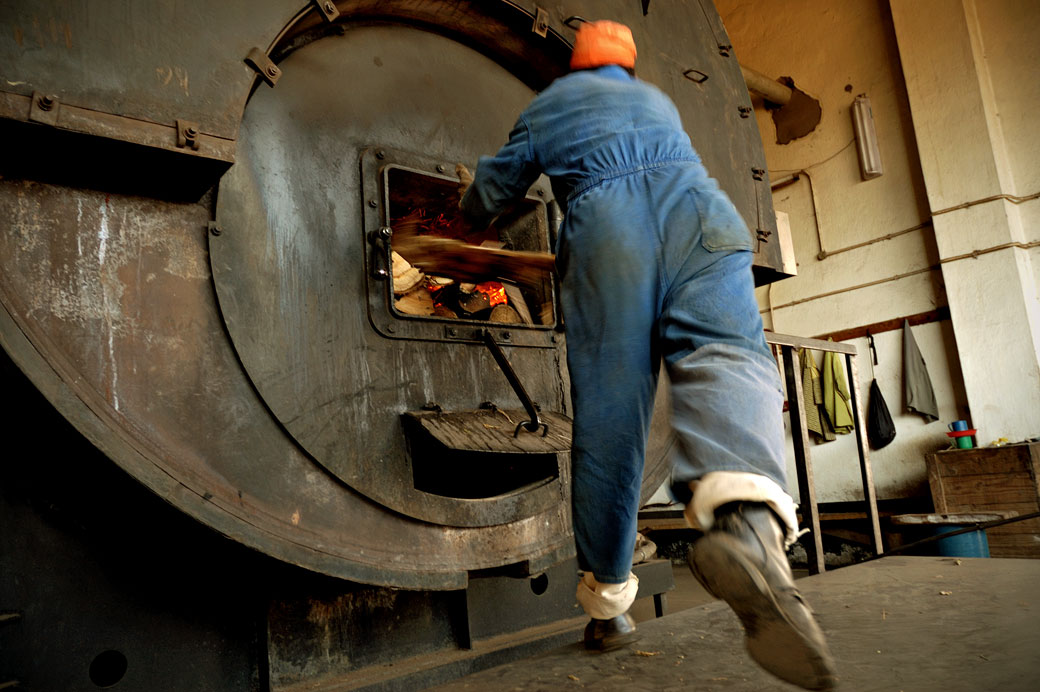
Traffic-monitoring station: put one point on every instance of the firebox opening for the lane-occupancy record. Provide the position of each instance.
(470, 475)
(425, 204)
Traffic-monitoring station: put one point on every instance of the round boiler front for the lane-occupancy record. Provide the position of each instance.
(294, 268)
(239, 354)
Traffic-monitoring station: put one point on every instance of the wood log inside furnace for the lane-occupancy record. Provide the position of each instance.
(516, 300)
(416, 302)
(405, 276)
(464, 262)
(505, 314)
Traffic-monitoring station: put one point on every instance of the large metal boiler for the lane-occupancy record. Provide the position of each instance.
(193, 211)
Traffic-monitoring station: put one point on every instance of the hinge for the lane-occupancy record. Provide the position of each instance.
(187, 134)
(44, 109)
(258, 60)
(541, 22)
(327, 8)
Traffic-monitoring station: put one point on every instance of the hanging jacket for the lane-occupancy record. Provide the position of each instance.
(836, 399)
(812, 397)
(917, 385)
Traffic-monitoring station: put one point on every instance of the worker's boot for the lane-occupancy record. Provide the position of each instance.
(607, 635)
(741, 560)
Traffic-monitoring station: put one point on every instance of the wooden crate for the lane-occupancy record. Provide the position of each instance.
(992, 479)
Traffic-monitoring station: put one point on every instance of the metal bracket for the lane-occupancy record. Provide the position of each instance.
(762, 235)
(541, 22)
(380, 240)
(695, 76)
(258, 60)
(187, 134)
(327, 8)
(44, 109)
(507, 369)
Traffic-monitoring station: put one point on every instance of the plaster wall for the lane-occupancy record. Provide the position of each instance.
(1005, 38)
(960, 57)
(835, 51)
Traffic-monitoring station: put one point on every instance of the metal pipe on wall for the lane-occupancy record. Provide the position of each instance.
(769, 89)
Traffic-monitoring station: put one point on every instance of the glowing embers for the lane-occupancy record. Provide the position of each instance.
(426, 207)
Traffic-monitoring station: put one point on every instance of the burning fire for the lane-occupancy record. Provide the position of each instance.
(495, 292)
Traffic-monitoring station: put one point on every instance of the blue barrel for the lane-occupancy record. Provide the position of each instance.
(971, 544)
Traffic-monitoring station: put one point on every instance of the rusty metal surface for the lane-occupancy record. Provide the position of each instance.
(108, 302)
(486, 430)
(118, 296)
(154, 61)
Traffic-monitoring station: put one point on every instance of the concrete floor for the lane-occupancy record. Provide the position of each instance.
(918, 624)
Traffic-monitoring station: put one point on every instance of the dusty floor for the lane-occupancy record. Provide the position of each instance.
(900, 623)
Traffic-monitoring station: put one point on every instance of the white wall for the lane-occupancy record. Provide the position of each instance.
(834, 51)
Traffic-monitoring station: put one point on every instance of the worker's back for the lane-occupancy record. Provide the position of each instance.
(594, 124)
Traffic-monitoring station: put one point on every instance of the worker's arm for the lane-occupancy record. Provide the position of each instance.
(501, 179)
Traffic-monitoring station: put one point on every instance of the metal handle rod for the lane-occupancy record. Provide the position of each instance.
(514, 382)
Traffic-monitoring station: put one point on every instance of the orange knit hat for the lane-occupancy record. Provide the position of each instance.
(603, 43)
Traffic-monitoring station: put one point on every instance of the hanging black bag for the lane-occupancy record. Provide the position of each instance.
(880, 428)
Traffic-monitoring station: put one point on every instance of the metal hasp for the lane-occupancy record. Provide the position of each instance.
(532, 410)
(380, 240)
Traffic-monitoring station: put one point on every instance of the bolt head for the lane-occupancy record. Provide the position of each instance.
(45, 103)
(440, 168)
(191, 131)
(272, 71)
(330, 8)
(372, 203)
(380, 154)
(452, 331)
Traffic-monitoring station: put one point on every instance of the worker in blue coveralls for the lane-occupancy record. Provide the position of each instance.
(655, 262)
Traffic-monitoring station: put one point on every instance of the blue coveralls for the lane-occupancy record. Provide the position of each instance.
(654, 262)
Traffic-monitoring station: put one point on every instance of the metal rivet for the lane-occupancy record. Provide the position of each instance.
(390, 328)
(380, 154)
(215, 230)
(272, 70)
(372, 203)
(191, 131)
(440, 168)
(540, 193)
(330, 8)
(45, 103)
(506, 336)
(452, 331)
